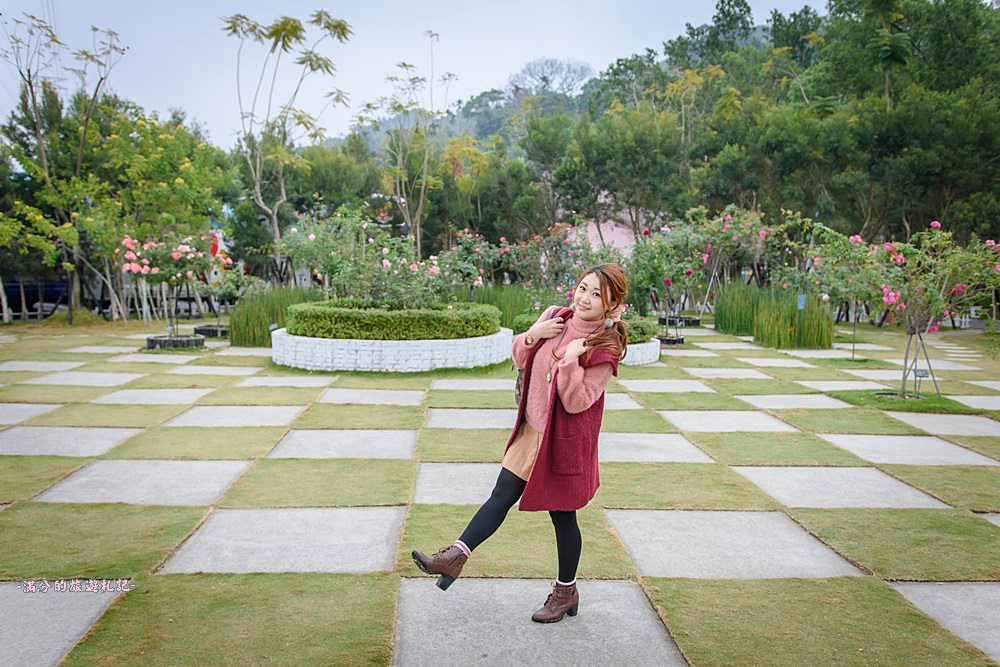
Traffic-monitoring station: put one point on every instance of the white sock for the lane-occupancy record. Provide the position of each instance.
(566, 584)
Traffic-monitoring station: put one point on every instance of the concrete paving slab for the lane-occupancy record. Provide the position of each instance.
(347, 444)
(286, 381)
(146, 482)
(372, 396)
(62, 440)
(724, 421)
(649, 447)
(245, 352)
(708, 325)
(768, 362)
(885, 375)
(748, 339)
(45, 366)
(474, 385)
(992, 518)
(620, 402)
(687, 353)
(970, 610)
(841, 385)
(469, 418)
(216, 370)
(742, 345)
(728, 373)
(237, 415)
(216, 344)
(925, 450)
(860, 346)
(667, 386)
(615, 626)
(142, 336)
(938, 424)
(818, 354)
(102, 349)
(300, 539)
(724, 545)
(835, 487)
(793, 401)
(455, 483)
(13, 413)
(695, 332)
(40, 628)
(143, 358)
(979, 402)
(988, 384)
(152, 396)
(939, 365)
(84, 379)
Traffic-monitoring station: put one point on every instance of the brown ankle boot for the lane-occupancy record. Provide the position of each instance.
(562, 600)
(447, 562)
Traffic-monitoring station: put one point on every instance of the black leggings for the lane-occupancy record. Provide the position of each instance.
(508, 489)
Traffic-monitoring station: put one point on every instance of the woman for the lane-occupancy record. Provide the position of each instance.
(550, 463)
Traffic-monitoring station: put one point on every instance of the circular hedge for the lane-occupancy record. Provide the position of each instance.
(348, 319)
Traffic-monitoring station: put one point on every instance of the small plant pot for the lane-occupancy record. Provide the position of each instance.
(683, 321)
(670, 341)
(213, 330)
(164, 341)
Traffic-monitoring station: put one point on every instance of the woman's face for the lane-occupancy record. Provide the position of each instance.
(587, 299)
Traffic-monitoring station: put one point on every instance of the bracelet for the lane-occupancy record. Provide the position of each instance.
(528, 340)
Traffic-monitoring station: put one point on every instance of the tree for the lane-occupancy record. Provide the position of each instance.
(549, 75)
(270, 123)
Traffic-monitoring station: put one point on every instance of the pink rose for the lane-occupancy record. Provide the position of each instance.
(688, 272)
(130, 255)
(826, 297)
(503, 239)
(935, 224)
(735, 239)
(725, 228)
(990, 243)
(667, 281)
(385, 251)
(229, 260)
(311, 237)
(433, 270)
(728, 217)
(413, 267)
(386, 264)
(175, 255)
(901, 307)
(144, 270)
(762, 233)
(190, 274)
(155, 269)
(856, 239)
(125, 268)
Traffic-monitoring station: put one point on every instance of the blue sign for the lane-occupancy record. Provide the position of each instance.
(802, 302)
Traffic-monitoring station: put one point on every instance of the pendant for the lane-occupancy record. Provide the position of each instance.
(548, 376)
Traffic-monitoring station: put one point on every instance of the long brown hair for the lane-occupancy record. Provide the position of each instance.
(614, 288)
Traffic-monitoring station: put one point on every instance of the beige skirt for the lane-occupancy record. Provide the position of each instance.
(520, 456)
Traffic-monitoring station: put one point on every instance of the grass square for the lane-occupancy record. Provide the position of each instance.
(677, 486)
(968, 487)
(444, 445)
(636, 421)
(448, 398)
(867, 364)
(653, 372)
(323, 415)
(984, 444)
(793, 622)
(22, 477)
(524, 546)
(219, 360)
(323, 483)
(736, 387)
(819, 373)
(125, 367)
(690, 401)
(10, 377)
(218, 619)
(85, 414)
(171, 381)
(194, 442)
(711, 362)
(930, 402)
(910, 544)
(847, 420)
(783, 449)
(382, 381)
(60, 540)
(261, 396)
(46, 393)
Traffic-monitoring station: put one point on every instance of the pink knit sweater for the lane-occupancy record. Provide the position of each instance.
(577, 388)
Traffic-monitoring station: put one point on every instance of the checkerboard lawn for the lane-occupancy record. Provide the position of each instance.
(309, 618)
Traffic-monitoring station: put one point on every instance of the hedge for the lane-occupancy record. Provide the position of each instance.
(331, 319)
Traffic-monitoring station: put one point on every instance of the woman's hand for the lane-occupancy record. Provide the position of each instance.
(575, 348)
(546, 328)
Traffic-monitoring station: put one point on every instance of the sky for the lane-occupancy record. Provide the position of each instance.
(179, 57)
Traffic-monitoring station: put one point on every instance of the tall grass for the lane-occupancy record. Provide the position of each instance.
(512, 300)
(735, 307)
(257, 310)
(776, 321)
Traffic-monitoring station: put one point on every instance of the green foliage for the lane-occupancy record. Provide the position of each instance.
(776, 321)
(249, 323)
(523, 322)
(331, 320)
(511, 300)
(736, 308)
(640, 329)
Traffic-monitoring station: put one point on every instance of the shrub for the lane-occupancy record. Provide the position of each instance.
(735, 308)
(332, 320)
(776, 321)
(250, 321)
(523, 322)
(640, 331)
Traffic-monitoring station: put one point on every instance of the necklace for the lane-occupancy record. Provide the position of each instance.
(556, 358)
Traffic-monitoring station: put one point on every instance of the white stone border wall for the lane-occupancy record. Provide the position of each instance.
(396, 356)
(642, 354)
